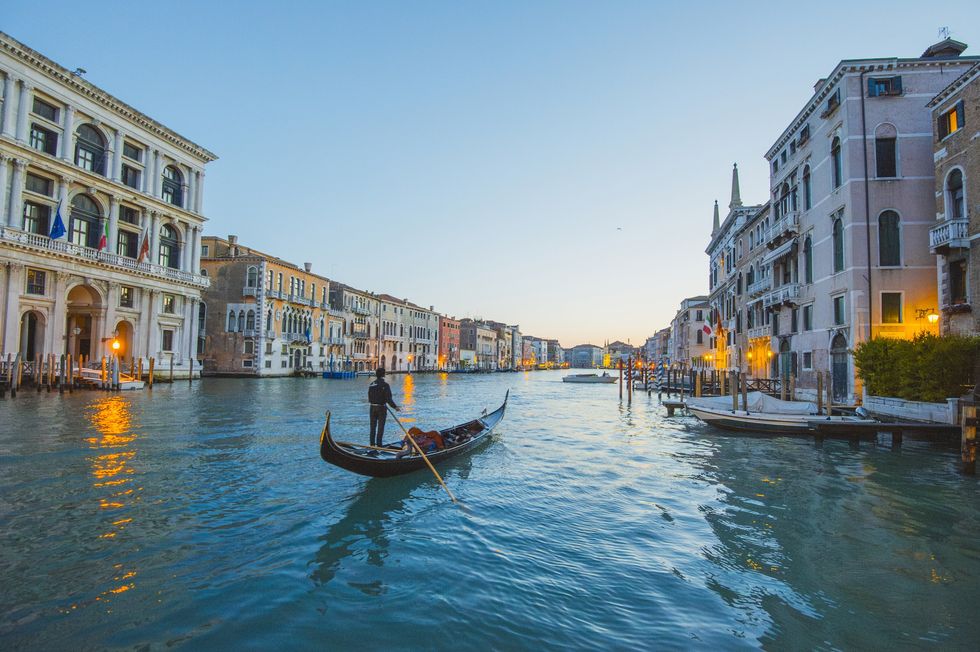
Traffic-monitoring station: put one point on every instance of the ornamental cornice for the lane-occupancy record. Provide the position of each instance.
(92, 92)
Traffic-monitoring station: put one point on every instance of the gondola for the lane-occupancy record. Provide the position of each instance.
(384, 463)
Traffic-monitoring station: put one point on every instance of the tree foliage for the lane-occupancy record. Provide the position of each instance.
(926, 368)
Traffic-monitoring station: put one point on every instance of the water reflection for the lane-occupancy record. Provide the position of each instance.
(408, 399)
(112, 470)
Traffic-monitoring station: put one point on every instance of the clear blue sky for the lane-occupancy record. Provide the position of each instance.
(481, 156)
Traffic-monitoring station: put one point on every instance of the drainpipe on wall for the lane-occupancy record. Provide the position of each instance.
(867, 206)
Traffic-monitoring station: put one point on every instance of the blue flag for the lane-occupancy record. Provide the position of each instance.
(58, 227)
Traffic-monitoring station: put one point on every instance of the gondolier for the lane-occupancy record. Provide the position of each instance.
(379, 396)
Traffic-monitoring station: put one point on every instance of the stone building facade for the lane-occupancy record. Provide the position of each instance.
(128, 191)
(265, 316)
(690, 334)
(360, 313)
(852, 183)
(955, 237)
(448, 343)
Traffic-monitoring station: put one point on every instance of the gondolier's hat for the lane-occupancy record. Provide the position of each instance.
(380, 372)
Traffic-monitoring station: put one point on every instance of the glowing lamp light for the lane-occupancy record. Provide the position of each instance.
(115, 345)
(769, 353)
(932, 317)
(750, 355)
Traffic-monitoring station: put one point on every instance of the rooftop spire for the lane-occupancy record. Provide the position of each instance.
(717, 223)
(736, 195)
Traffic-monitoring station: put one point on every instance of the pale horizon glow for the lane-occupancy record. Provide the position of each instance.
(549, 164)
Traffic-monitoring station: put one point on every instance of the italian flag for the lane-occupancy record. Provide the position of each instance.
(104, 238)
(144, 249)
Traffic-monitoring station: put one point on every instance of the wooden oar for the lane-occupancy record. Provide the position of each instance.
(419, 449)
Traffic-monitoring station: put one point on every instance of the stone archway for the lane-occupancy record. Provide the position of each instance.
(32, 330)
(124, 334)
(82, 328)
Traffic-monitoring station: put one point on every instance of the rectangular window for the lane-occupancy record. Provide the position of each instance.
(45, 110)
(44, 140)
(794, 320)
(700, 336)
(775, 323)
(205, 250)
(169, 304)
(804, 134)
(36, 218)
(951, 121)
(807, 360)
(35, 281)
(129, 215)
(131, 176)
(168, 340)
(880, 86)
(832, 102)
(838, 310)
(891, 307)
(957, 282)
(40, 185)
(125, 297)
(79, 232)
(885, 158)
(268, 348)
(808, 318)
(132, 152)
(249, 347)
(127, 243)
(268, 364)
(247, 364)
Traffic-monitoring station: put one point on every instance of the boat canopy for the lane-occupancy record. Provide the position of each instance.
(757, 402)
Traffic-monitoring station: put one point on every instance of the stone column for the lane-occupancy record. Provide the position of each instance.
(151, 323)
(185, 331)
(26, 96)
(154, 237)
(199, 195)
(11, 321)
(59, 320)
(187, 249)
(189, 195)
(15, 216)
(157, 173)
(63, 202)
(192, 329)
(68, 134)
(4, 167)
(113, 223)
(6, 121)
(196, 257)
(117, 148)
(109, 329)
(148, 173)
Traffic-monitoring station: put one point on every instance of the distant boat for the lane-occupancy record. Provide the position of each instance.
(765, 414)
(604, 379)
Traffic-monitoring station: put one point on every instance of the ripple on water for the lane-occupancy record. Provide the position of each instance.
(202, 515)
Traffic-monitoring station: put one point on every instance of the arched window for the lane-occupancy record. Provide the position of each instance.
(250, 320)
(837, 163)
(808, 260)
(807, 195)
(954, 195)
(241, 320)
(889, 240)
(252, 277)
(232, 323)
(84, 223)
(838, 245)
(169, 247)
(750, 277)
(268, 321)
(173, 186)
(90, 149)
(885, 159)
(321, 328)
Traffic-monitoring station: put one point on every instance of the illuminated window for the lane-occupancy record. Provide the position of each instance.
(891, 307)
(35, 281)
(951, 121)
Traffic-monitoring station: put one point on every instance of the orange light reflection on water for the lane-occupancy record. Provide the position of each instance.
(111, 469)
(408, 398)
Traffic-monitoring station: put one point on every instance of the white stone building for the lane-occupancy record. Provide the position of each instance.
(853, 199)
(116, 177)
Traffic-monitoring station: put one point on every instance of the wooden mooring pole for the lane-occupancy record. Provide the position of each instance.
(697, 385)
(819, 392)
(152, 364)
(745, 392)
(734, 388)
(629, 382)
(620, 380)
(968, 441)
(830, 393)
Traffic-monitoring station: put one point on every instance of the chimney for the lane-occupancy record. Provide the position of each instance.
(233, 245)
(307, 266)
(816, 87)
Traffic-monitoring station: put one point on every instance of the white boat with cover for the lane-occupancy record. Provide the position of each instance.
(604, 379)
(765, 414)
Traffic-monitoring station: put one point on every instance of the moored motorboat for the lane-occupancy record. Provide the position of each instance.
(382, 462)
(589, 378)
(765, 414)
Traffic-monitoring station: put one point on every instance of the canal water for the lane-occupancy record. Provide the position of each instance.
(202, 516)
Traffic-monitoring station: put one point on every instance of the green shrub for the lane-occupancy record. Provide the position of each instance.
(926, 368)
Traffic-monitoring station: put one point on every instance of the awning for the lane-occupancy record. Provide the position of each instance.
(778, 252)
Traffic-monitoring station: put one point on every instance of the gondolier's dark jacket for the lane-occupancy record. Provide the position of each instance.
(379, 394)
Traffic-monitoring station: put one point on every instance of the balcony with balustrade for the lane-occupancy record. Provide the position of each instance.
(759, 286)
(949, 234)
(249, 291)
(787, 294)
(759, 331)
(79, 254)
(785, 227)
(360, 310)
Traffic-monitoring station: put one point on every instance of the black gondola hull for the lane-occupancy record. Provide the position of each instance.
(364, 464)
